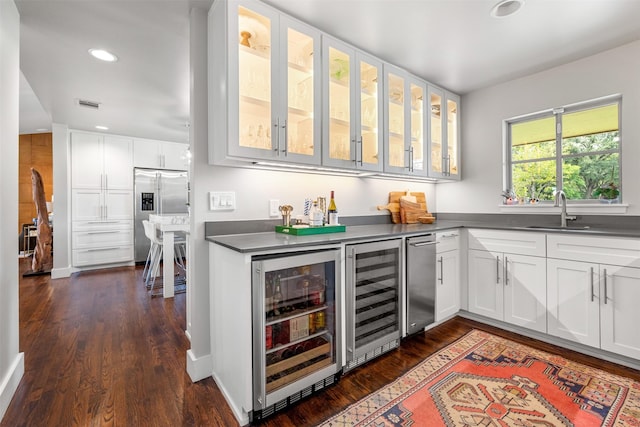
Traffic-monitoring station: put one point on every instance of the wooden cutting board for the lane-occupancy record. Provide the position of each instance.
(394, 204)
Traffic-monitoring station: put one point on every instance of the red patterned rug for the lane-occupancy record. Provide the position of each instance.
(484, 380)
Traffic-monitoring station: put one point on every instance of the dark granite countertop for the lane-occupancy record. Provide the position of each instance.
(255, 242)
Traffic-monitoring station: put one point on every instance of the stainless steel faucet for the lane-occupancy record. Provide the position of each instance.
(561, 197)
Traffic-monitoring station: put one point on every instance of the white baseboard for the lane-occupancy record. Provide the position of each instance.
(60, 273)
(199, 368)
(241, 415)
(10, 382)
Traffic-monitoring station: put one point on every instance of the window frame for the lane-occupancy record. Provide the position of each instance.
(558, 112)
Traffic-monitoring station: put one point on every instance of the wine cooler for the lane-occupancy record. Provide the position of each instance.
(373, 300)
(296, 330)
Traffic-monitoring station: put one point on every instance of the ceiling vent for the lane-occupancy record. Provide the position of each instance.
(89, 104)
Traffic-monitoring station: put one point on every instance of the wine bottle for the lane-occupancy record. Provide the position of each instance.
(332, 211)
(277, 297)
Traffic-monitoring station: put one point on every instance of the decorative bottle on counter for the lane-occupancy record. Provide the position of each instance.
(332, 211)
(315, 216)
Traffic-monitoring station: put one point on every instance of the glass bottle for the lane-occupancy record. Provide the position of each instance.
(332, 211)
(277, 297)
(268, 298)
(316, 216)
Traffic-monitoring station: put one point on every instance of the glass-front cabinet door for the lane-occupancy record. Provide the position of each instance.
(444, 134)
(405, 123)
(451, 164)
(278, 86)
(352, 108)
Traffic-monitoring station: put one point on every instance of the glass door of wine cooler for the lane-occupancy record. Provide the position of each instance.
(373, 299)
(296, 331)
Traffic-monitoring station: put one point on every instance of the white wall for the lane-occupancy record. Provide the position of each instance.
(11, 360)
(61, 202)
(483, 111)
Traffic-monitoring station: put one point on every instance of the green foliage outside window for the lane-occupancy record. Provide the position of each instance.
(590, 163)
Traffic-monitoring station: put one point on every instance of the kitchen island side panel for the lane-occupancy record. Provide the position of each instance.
(230, 294)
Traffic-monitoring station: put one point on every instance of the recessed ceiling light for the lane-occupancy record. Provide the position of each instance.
(102, 127)
(506, 8)
(103, 55)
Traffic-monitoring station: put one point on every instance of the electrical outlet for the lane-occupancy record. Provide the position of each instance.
(274, 207)
(222, 200)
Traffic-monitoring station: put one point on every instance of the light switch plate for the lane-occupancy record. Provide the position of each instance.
(222, 200)
(274, 207)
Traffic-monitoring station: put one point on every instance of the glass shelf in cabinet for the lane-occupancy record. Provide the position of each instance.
(338, 121)
(255, 100)
(343, 83)
(260, 52)
(300, 112)
(300, 68)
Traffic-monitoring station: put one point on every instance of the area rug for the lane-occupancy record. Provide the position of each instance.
(484, 380)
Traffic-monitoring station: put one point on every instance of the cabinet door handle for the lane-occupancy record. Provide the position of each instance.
(441, 279)
(286, 138)
(104, 232)
(592, 295)
(506, 271)
(498, 270)
(276, 135)
(361, 151)
(605, 286)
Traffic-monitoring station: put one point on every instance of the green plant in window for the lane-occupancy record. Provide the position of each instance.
(608, 191)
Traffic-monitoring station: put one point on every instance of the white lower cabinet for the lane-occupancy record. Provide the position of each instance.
(509, 287)
(447, 275)
(595, 304)
(102, 242)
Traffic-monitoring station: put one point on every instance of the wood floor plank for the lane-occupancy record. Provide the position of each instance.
(100, 352)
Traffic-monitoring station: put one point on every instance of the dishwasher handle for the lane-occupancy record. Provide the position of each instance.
(419, 244)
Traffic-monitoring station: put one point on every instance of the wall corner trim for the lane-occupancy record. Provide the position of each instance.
(10, 383)
(199, 368)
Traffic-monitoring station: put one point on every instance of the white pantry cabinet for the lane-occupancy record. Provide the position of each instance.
(352, 107)
(101, 161)
(151, 154)
(101, 199)
(265, 85)
(447, 274)
(595, 303)
(507, 277)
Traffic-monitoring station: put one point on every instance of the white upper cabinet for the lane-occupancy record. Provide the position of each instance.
(444, 134)
(405, 123)
(265, 95)
(352, 108)
(101, 161)
(148, 153)
(282, 92)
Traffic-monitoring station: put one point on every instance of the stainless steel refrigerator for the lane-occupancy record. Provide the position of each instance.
(156, 192)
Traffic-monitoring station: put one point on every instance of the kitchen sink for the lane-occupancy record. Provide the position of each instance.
(558, 227)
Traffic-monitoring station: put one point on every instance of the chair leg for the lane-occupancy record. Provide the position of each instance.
(145, 270)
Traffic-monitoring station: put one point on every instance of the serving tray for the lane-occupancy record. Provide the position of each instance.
(310, 230)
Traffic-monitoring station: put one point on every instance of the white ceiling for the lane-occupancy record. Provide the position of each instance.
(453, 43)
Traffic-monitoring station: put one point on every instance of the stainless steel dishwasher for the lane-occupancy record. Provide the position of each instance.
(421, 282)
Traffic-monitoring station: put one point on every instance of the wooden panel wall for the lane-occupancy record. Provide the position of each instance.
(35, 152)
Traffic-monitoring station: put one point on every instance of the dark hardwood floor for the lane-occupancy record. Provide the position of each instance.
(99, 351)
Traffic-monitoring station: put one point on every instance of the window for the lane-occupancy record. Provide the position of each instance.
(574, 148)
